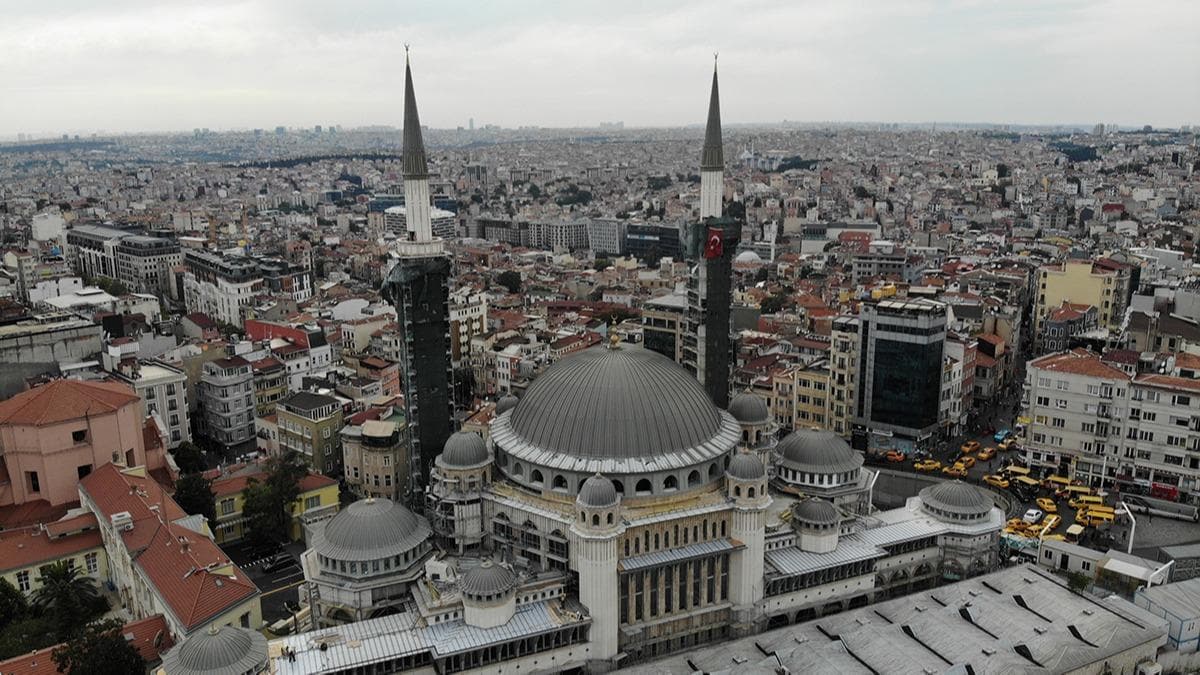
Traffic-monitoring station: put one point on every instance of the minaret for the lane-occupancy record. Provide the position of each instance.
(419, 287)
(712, 159)
(746, 487)
(707, 350)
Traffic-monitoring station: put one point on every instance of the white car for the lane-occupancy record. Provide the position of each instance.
(1033, 516)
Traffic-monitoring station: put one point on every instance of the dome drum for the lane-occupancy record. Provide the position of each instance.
(361, 537)
(224, 650)
(956, 500)
(817, 459)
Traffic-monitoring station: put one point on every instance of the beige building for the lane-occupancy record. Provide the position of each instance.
(1103, 284)
(375, 451)
(843, 374)
(310, 424)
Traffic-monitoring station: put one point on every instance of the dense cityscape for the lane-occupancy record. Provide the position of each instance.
(795, 397)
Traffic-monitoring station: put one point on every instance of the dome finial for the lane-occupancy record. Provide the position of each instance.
(614, 341)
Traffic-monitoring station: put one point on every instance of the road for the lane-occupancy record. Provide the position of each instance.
(279, 586)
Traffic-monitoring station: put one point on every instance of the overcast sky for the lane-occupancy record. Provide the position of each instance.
(142, 65)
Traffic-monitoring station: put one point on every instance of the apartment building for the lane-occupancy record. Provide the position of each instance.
(468, 318)
(219, 285)
(317, 499)
(664, 324)
(375, 447)
(143, 263)
(1102, 283)
(1100, 421)
(843, 374)
(163, 389)
(801, 395)
(309, 423)
(227, 400)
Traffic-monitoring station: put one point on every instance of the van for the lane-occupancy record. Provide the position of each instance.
(1100, 517)
(1056, 482)
(1015, 470)
(1084, 501)
(1072, 491)
(1027, 482)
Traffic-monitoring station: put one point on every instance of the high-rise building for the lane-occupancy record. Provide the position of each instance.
(901, 346)
(713, 241)
(419, 286)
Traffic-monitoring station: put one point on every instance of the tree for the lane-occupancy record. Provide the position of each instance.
(268, 504)
(100, 650)
(1078, 581)
(193, 493)
(12, 603)
(761, 275)
(602, 264)
(26, 634)
(772, 304)
(68, 596)
(189, 458)
(257, 507)
(510, 280)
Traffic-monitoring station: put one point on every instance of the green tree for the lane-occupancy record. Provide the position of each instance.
(26, 634)
(268, 504)
(1078, 581)
(510, 280)
(772, 304)
(602, 264)
(67, 595)
(12, 603)
(257, 507)
(100, 650)
(193, 493)
(535, 191)
(189, 458)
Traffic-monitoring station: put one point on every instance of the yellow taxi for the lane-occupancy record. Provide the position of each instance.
(1047, 504)
(958, 470)
(927, 465)
(986, 453)
(996, 481)
(1051, 522)
(969, 447)
(967, 462)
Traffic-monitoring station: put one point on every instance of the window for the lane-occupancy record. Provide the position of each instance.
(1043, 382)
(1061, 385)
(1182, 400)
(226, 507)
(312, 502)
(1059, 423)
(1060, 403)
(91, 561)
(1093, 390)
(79, 436)
(325, 432)
(32, 483)
(23, 581)
(1043, 400)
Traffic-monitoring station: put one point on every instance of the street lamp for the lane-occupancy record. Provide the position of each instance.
(1132, 526)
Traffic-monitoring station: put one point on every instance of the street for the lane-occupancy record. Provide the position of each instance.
(278, 586)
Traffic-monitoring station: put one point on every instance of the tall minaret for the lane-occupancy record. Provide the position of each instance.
(416, 171)
(712, 159)
(419, 287)
(707, 350)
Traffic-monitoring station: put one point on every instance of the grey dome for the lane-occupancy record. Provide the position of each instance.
(487, 579)
(818, 451)
(464, 449)
(370, 529)
(225, 650)
(507, 402)
(815, 511)
(621, 403)
(749, 409)
(597, 492)
(956, 497)
(746, 466)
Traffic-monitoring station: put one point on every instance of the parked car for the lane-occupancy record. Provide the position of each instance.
(1047, 504)
(1033, 516)
(895, 456)
(278, 561)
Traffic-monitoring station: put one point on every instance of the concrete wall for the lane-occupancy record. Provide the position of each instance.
(893, 488)
(62, 345)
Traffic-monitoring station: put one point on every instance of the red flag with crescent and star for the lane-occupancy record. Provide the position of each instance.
(712, 244)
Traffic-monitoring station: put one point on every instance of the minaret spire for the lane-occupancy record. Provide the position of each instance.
(712, 158)
(417, 213)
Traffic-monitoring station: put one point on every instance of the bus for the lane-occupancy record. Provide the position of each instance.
(1026, 481)
(1095, 518)
(1014, 470)
(1072, 491)
(1056, 482)
(1085, 501)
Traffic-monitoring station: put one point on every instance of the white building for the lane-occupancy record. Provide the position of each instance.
(220, 286)
(163, 389)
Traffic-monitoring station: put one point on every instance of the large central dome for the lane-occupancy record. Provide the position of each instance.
(622, 411)
(615, 403)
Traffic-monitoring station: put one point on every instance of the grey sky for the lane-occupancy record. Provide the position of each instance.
(130, 65)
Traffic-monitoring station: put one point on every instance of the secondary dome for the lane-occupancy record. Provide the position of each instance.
(370, 529)
(746, 466)
(956, 499)
(613, 404)
(814, 511)
(597, 492)
(489, 579)
(224, 650)
(749, 409)
(507, 402)
(818, 451)
(464, 449)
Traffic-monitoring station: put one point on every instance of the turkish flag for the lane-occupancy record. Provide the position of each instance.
(712, 244)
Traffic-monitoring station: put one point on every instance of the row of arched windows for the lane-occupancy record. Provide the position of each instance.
(643, 487)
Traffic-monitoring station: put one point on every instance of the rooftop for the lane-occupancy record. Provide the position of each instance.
(64, 400)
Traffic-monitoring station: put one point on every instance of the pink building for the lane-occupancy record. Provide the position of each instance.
(53, 435)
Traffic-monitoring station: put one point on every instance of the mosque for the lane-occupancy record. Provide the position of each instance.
(614, 515)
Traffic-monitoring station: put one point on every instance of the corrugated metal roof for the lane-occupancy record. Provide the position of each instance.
(792, 561)
(688, 552)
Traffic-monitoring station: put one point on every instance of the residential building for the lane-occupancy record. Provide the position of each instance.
(468, 318)
(664, 324)
(1082, 282)
(55, 434)
(886, 260)
(444, 223)
(606, 236)
(843, 374)
(558, 235)
(901, 344)
(1062, 326)
(375, 447)
(163, 390)
(801, 395)
(161, 560)
(227, 401)
(147, 264)
(74, 540)
(309, 424)
(316, 500)
(270, 384)
(220, 285)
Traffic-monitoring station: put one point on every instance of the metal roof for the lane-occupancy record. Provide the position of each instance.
(224, 650)
(370, 529)
(665, 556)
(713, 155)
(818, 451)
(792, 561)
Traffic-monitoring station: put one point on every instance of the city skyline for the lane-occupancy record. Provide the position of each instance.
(137, 67)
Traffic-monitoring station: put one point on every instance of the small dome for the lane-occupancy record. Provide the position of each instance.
(220, 650)
(819, 451)
(464, 449)
(747, 257)
(816, 511)
(746, 466)
(749, 409)
(597, 492)
(370, 529)
(956, 497)
(487, 579)
(507, 402)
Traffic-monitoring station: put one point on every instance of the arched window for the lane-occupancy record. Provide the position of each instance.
(693, 478)
(712, 471)
(583, 516)
(722, 528)
(535, 476)
(737, 490)
(610, 518)
(670, 483)
(643, 487)
(560, 482)
(619, 487)
(750, 493)
(517, 469)
(595, 520)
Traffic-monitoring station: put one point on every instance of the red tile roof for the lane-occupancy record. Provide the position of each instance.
(1078, 362)
(32, 513)
(148, 636)
(63, 400)
(31, 546)
(1168, 382)
(193, 576)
